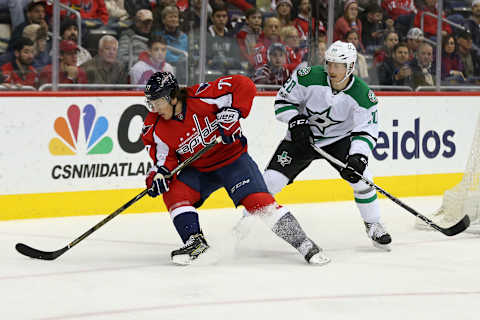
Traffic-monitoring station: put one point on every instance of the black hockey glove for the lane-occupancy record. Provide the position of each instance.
(300, 132)
(357, 162)
(157, 183)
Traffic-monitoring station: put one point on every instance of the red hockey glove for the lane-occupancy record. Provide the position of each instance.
(357, 162)
(157, 183)
(229, 124)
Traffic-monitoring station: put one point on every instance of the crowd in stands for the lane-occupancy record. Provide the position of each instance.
(125, 41)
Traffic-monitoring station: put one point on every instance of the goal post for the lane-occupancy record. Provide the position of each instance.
(464, 198)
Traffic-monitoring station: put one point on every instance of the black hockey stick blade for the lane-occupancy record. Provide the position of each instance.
(457, 228)
(38, 254)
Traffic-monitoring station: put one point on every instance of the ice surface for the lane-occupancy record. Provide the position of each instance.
(123, 270)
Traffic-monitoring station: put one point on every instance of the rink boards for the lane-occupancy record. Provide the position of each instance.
(69, 153)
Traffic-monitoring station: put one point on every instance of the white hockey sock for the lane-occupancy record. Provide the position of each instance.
(366, 200)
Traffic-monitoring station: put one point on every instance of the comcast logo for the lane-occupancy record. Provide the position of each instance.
(80, 133)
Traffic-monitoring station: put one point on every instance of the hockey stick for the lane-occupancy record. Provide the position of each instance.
(52, 255)
(450, 231)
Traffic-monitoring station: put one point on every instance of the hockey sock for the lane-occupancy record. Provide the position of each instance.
(288, 228)
(366, 199)
(187, 224)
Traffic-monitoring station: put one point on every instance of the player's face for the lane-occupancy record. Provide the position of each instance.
(158, 52)
(25, 56)
(163, 107)
(336, 71)
(255, 22)
(109, 51)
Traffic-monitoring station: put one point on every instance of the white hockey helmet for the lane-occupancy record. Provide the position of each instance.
(342, 52)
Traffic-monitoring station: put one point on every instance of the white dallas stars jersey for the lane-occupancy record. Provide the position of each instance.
(351, 112)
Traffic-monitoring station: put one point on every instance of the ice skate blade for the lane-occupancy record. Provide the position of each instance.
(319, 260)
(383, 247)
(182, 260)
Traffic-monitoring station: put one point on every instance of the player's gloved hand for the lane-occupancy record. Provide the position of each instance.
(357, 162)
(300, 131)
(157, 183)
(229, 124)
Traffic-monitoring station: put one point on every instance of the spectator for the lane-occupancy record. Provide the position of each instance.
(173, 35)
(290, 37)
(452, 67)
(472, 24)
(69, 31)
(322, 48)
(94, 13)
(15, 9)
(116, 10)
(141, 27)
(429, 22)
(397, 8)
(395, 70)
(222, 53)
(249, 34)
(361, 67)
(391, 39)
(104, 68)
(303, 19)
(274, 71)
(422, 69)
(68, 71)
(402, 12)
(192, 16)
(469, 57)
(373, 28)
(284, 12)
(269, 35)
(414, 38)
(349, 21)
(35, 14)
(133, 6)
(19, 71)
(39, 37)
(151, 61)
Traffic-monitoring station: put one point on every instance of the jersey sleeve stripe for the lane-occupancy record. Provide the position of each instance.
(283, 109)
(286, 102)
(364, 133)
(366, 140)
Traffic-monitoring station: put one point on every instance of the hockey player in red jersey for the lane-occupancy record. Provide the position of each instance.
(180, 123)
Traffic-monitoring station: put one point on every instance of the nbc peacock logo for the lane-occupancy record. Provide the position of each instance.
(72, 139)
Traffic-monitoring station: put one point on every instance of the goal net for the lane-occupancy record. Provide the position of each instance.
(464, 198)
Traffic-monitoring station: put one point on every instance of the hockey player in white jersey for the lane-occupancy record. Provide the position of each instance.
(337, 111)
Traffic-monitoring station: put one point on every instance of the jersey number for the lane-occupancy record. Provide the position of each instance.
(289, 84)
(374, 117)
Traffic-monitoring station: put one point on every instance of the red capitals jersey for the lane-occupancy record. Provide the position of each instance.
(169, 142)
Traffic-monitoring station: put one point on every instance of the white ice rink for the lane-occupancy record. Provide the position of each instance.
(123, 270)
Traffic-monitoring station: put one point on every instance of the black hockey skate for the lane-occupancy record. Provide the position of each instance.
(193, 248)
(380, 238)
